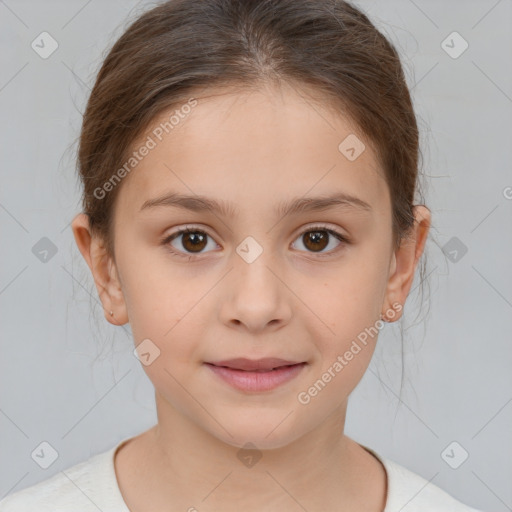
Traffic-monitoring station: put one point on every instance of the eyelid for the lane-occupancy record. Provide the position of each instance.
(188, 228)
(333, 231)
(325, 226)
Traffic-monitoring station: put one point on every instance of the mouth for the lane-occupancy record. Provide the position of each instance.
(265, 364)
(256, 375)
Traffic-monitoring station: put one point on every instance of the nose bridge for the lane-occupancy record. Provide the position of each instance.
(253, 261)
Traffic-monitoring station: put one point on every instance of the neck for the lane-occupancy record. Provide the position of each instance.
(190, 467)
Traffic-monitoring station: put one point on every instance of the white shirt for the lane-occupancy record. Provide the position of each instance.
(92, 486)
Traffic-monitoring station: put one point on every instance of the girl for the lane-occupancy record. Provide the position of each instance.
(249, 172)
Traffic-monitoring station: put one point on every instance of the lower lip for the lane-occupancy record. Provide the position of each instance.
(257, 381)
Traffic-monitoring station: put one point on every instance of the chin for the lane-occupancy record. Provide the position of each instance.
(261, 433)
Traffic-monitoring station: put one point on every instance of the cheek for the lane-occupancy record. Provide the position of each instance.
(351, 298)
(349, 303)
(343, 357)
(166, 310)
(155, 298)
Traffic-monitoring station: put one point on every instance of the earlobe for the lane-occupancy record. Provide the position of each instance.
(117, 314)
(103, 270)
(406, 258)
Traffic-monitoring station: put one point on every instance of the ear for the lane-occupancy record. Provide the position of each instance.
(103, 270)
(404, 262)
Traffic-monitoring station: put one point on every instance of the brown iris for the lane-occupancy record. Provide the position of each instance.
(194, 241)
(319, 239)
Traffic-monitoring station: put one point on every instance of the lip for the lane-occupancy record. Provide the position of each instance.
(242, 363)
(256, 379)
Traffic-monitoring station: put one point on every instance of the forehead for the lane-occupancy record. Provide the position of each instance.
(254, 147)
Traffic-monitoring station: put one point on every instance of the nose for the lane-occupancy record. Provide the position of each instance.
(257, 296)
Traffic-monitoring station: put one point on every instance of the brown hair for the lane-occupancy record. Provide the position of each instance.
(182, 46)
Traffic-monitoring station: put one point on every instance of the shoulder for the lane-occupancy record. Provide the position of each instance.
(88, 486)
(410, 492)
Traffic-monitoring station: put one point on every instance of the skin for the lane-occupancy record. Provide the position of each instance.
(289, 303)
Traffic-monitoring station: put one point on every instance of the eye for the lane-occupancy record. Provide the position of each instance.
(194, 241)
(191, 240)
(317, 238)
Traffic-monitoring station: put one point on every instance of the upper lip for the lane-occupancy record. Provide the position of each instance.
(242, 363)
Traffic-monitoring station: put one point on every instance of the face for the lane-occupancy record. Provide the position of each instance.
(255, 279)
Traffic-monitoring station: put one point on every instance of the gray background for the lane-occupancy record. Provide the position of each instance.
(69, 378)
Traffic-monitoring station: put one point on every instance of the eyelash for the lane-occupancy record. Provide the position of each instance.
(166, 241)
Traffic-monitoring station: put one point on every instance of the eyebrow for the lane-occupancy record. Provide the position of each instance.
(298, 205)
